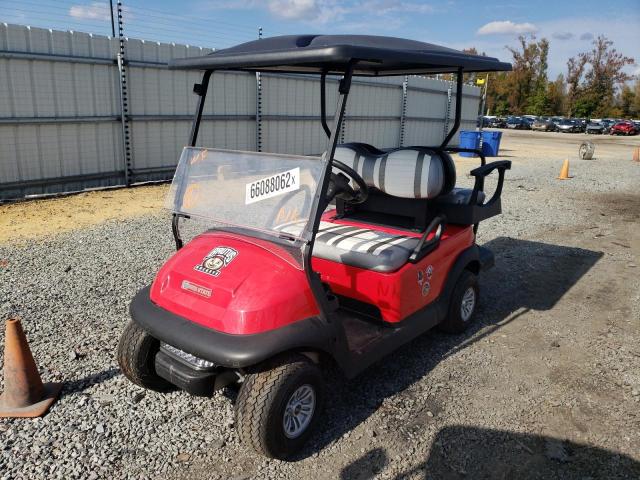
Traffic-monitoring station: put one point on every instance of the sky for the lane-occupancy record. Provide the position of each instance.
(488, 25)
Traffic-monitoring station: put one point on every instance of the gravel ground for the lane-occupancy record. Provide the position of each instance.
(546, 384)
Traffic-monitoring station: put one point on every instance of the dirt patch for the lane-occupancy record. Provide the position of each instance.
(38, 218)
(624, 205)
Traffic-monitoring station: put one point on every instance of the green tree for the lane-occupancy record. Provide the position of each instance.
(556, 97)
(575, 71)
(593, 78)
(498, 94)
(626, 101)
(636, 99)
(528, 80)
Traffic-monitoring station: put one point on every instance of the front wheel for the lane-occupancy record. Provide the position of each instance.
(277, 407)
(136, 356)
(462, 305)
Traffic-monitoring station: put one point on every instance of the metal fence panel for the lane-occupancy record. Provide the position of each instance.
(423, 132)
(60, 111)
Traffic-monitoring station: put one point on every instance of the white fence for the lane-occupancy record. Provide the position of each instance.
(60, 111)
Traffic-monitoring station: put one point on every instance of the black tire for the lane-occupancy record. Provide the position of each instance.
(262, 401)
(136, 357)
(455, 321)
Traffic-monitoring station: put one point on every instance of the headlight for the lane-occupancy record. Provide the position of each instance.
(197, 362)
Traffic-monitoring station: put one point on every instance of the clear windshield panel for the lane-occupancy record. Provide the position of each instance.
(264, 192)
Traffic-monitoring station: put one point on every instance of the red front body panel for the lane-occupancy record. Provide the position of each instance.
(261, 288)
(397, 294)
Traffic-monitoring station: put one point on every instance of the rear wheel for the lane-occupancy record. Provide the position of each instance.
(462, 305)
(277, 408)
(136, 356)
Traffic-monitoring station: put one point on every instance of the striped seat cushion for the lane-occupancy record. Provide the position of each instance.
(413, 172)
(360, 247)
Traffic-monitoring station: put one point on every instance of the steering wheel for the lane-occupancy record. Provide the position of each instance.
(339, 185)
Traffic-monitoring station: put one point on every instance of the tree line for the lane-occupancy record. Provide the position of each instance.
(594, 85)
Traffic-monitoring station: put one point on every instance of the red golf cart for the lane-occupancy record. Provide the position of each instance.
(310, 261)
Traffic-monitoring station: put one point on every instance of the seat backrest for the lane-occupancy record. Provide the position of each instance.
(407, 172)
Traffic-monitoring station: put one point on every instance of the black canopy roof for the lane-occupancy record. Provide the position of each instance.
(331, 53)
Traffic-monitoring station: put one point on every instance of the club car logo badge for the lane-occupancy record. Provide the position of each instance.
(195, 288)
(216, 260)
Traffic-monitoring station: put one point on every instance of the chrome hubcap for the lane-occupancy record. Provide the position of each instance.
(299, 411)
(468, 304)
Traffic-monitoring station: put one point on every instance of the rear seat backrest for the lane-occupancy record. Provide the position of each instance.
(411, 172)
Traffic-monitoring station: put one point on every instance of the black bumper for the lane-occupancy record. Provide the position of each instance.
(196, 382)
(223, 349)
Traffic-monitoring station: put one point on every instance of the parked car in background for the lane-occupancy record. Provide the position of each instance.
(543, 125)
(580, 123)
(567, 126)
(517, 123)
(625, 127)
(595, 128)
(606, 125)
(490, 122)
(497, 122)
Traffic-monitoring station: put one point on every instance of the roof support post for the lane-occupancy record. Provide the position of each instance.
(456, 122)
(199, 89)
(323, 104)
(319, 201)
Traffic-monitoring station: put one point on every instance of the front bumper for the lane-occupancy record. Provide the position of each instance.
(223, 349)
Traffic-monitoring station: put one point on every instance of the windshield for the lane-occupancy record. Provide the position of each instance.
(263, 192)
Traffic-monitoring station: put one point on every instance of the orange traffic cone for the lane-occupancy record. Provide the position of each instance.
(636, 154)
(564, 171)
(24, 394)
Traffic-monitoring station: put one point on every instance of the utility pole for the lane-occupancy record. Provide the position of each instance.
(113, 25)
(484, 96)
(483, 101)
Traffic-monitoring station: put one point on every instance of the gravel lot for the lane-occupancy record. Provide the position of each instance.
(545, 385)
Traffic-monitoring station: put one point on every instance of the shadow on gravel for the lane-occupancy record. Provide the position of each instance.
(75, 386)
(366, 466)
(527, 276)
(461, 452)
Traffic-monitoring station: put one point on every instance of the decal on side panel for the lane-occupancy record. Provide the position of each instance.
(424, 278)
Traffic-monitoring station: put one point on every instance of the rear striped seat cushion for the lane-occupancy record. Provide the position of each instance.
(360, 247)
(413, 172)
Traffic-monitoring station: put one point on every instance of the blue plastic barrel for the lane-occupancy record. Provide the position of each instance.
(469, 139)
(491, 143)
